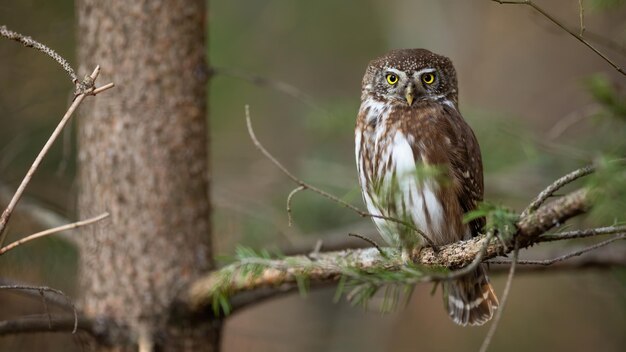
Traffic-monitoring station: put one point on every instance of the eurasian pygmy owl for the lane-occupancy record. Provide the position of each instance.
(418, 161)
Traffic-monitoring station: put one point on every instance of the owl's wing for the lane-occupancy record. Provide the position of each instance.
(467, 167)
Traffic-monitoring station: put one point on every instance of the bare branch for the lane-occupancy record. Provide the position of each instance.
(41, 323)
(105, 331)
(555, 186)
(581, 15)
(609, 230)
(565, 28)
(57, 301)
(607, 42)
(48, 232)
(504, 299)
(602, 258)
(568, 255)
(34, 209)
(85, 88)
(289, 197)
(41, 290)
(325, 194)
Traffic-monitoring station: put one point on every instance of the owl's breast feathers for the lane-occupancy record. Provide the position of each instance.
(420, 164)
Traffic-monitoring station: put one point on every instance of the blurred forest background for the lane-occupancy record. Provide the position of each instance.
(536, 98)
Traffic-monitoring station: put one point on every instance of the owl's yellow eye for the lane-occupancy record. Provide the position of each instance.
(428, 78)
(392, 79)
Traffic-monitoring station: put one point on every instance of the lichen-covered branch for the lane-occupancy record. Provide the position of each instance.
(282, 274)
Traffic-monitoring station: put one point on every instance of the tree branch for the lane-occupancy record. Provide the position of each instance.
(85, 88)
(105, 331)
(52, 231)
(579, 37)
(281, 275)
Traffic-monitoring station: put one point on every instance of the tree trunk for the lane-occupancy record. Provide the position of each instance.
(143, 158)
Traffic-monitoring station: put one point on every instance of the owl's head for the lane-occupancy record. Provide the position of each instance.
(407, 77)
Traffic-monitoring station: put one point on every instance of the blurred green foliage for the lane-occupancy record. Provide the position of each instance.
(605, 93)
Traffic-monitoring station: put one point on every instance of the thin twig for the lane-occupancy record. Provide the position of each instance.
(31, 43)
(370, 241)
(325, 194)
(48, 232)
(565, 256)
(289, 197)
(504, 299)
(33, 208)
(86, 88)
(565, 28)
(609, 43)
(45, 307)
(609, 230)
(46, 289)
(555, 186)
(581, 15)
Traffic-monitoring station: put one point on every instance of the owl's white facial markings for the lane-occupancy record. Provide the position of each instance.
(411, 86)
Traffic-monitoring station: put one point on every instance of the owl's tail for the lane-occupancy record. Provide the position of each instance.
(470, 300)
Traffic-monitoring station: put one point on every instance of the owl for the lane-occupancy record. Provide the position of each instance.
(418, 161)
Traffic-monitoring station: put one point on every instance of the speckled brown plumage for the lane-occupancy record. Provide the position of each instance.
(419, 161)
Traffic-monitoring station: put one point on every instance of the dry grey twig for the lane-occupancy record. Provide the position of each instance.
(565, 28)
(325, 194)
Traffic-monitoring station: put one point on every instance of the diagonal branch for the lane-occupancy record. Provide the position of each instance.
(86, 88)
(569, 255)
(304, 186)
(579, 37)
(555, 186)
(52, 231)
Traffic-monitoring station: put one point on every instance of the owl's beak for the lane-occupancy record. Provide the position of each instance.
(409, 95)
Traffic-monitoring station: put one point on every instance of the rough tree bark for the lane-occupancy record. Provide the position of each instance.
(143, 158)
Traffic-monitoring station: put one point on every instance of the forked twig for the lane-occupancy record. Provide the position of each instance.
(565, 28)
(566, 256)
(289, 197)
(42, 289)
(504, 299)
(325, 194)
(370, 241)
(51, 231)
(86, 88)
